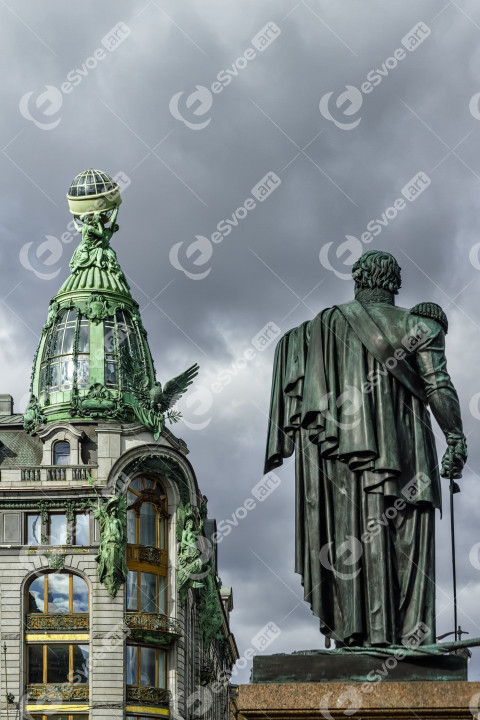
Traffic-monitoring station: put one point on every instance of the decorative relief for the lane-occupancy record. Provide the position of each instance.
(66, 691)
(148, 694)
(57, 621)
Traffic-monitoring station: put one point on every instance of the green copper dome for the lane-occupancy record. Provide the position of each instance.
(93, 361)
(93, 323)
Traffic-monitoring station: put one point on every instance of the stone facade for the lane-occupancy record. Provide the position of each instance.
(196, 675)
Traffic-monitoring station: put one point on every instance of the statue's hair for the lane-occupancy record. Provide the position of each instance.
(375, 269)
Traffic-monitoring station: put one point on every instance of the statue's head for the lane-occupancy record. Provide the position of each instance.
(377, 270)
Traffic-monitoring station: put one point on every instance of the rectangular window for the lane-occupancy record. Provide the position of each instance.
(81, 533)
(34, 529)
(35, 664)
(132, 590)
(145, 666)
(131, 665)
(148, 592)
(57, 529)
(57, 664)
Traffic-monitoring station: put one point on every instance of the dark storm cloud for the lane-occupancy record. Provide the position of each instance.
(184, 182)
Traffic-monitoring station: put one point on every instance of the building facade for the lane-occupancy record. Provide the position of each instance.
(111, 605)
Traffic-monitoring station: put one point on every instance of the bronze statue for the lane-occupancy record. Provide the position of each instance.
(350, 395)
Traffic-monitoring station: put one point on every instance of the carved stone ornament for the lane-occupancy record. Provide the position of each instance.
(33, 416)
(97, 308)
(99, 402)
(65, 691)
(56, 560)
(57, 621)
(148, 694)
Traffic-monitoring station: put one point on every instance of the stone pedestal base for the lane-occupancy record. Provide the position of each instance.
(446, 700)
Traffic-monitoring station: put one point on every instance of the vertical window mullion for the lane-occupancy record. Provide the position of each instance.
(70, 593)
(45, 594)
(139, 592)
(70, 661)
(139, 665)
(44, 664)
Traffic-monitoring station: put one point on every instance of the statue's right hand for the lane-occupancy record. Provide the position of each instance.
(455, 457)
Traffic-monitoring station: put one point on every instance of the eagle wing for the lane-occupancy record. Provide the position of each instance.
(175, 388)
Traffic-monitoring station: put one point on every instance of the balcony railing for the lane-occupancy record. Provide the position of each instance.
(147, 694)
(139, 553)
(58, 621)
(152, 627)
(54, 473)
(60, 691)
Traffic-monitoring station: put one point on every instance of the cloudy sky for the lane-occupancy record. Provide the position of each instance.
(255, 143)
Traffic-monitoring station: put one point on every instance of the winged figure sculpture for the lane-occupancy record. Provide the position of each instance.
(152, 404)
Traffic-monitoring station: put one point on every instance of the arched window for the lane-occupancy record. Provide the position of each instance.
(61, 453)
(147, 513)
(147, 557)
(58, 593)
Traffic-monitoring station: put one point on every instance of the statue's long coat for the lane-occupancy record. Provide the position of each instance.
(360, 446)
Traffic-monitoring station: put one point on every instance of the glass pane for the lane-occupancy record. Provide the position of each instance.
(58, 529)
(43, 378)
(122, 335)
(57, 663)
(83, 373)
(131, 527)
(82, 523)
(61, 453)
(132, 584)
(148, 593)
(80, 595)
(161, 593)
(58, 593)
(36, 595)
(67, 372)
(134, 345)
(34, 526)
(55, 374)
(147, 658)
(84, 337)
(80, 662)
(68, 340)
(131, 665)
(110, 373)
(148, 521)
(108, 338)
(136, 485)
(161, 669)
(57, 342)
(35, 664)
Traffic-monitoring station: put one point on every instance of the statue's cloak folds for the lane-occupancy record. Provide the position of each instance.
(359, 445)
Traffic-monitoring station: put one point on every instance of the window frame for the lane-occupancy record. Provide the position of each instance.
(71, 671)
(45, 577)
(157, 651)
(54, 453)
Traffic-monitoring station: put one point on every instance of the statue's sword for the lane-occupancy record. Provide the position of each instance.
(453, 489)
